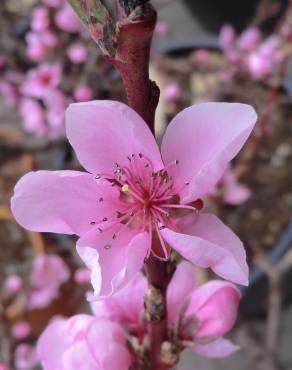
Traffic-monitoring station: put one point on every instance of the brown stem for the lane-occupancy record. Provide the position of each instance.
(159, 274)
(132, 58)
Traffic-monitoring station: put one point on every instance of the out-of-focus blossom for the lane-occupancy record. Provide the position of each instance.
(56, 103)
(249, 39)
(25, 357)
(9, 92)
(20, 330)
(40, 19)
(83, 93)
(40, 44)
(54, 3)
(12, 285)
(77, 53)
(200, 56)
(3, 366)
(40, 81)
(49, 273)
(2, 61)
(116, 146)
(227, 37)
(33, 116)
(172, 92)
(84, 342)
(82, 276)
(161, 28)
(67, 20)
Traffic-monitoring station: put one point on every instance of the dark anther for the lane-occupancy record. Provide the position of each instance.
(104, 219)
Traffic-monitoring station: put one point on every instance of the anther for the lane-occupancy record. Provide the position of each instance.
(100, 200)
(162, 227)
(92, 223)
(125, 188)
(107, 246)
(140, 155)
(176, 161)
(114, 236)
(187, 183)
(104, 219)
(100, 230)
(97, 177)
(119, 214)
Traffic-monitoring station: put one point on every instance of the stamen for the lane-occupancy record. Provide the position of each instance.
(107, 246)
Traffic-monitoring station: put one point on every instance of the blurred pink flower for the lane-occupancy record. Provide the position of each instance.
(33, 116)
(200, 56)
(56, 103)
(3, 366)
(82, 276)
(25, 357)
(42, 80)
(49, 273)
(9, 91)
(172, 92)
(249, 39)
(227, 37)
(40, 19)
(40, 44)
(133, 190)
(12, 285)
(161, 28)
(77, 53)
(203, 314)
(67, 20)
(83, 93)
(20, 330)
(83, 342)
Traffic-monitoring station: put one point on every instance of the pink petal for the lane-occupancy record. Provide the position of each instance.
(127, 305)
(204, 138)
(206, 242)
(79, 357)
(60, 201)
(215, 305)
(108, 346)
(51, 346)
(181, 285)
(113, 263)
(218, 349)
(106, 132)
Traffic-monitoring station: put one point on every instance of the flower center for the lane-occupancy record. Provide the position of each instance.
(149, 199)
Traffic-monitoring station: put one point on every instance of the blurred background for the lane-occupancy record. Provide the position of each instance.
(203, 51)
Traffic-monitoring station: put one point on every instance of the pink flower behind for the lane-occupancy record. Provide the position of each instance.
(42, 80)
(77, 53)
(249, 39)
(25, 357)
(33, 116)
(49, 273)
(67, 20)
(133, 191)
(227, 37)
(202, 315)
(83, 93)
(172, 92)
(20, 330)
(83, 342)
(12, 285)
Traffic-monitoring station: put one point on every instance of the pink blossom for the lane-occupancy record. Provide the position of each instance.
(9, 92)
(172, 92)
(249, 39)
(133, 190)
(2, 61)
(83, 93)
(33, 116)
(25, 357)
(56, 103)
(227, 37)
(200, 56)
(82, 276)
(161, 28)
(77, 53)
(12, 285)
(203, 314)
(21, 330)
(3, 366)
(67, 20)
(234, 192)
(83, 342)
(40, 19)
(40, 44)
(42, 80)
(49, 273)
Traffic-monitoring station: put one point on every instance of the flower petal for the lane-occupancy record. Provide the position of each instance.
(204, 138)
(113, 263)
(215, 305)
(206, 242)
(218, 349)
(181, 285)
(61, 201)
(106, 132)
(79, 357)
